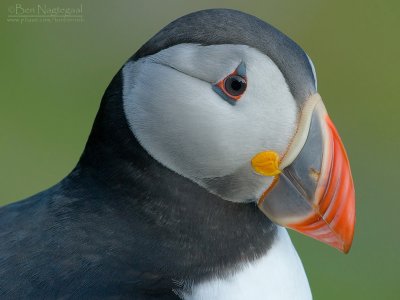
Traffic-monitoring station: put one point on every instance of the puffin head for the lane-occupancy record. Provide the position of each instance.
(230, 103)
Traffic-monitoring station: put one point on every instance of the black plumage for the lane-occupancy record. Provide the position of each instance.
(227, 26)
(122, 226)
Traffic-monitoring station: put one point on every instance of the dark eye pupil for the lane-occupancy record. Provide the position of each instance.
(235, 85)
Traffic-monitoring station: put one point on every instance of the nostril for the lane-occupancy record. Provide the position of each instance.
(314, 174)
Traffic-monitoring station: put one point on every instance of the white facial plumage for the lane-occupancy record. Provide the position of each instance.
(185, 125)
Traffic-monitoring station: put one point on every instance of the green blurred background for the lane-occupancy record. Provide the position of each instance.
(53, 76)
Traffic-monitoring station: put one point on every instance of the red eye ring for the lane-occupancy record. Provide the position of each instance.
(232, 86)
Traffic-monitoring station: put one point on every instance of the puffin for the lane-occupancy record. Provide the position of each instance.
(209, 142)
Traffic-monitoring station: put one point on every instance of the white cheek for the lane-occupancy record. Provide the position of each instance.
(180, 121)
(190, 129)
(186, 58)
(269, 104)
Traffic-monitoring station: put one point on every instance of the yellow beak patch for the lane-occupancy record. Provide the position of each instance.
(266, 163)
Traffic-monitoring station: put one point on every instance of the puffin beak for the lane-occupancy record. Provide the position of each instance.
(313, 190)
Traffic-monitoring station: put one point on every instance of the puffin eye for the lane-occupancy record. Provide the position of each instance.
(232, 87)
(235, 85)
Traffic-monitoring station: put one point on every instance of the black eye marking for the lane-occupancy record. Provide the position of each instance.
(232, 87)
